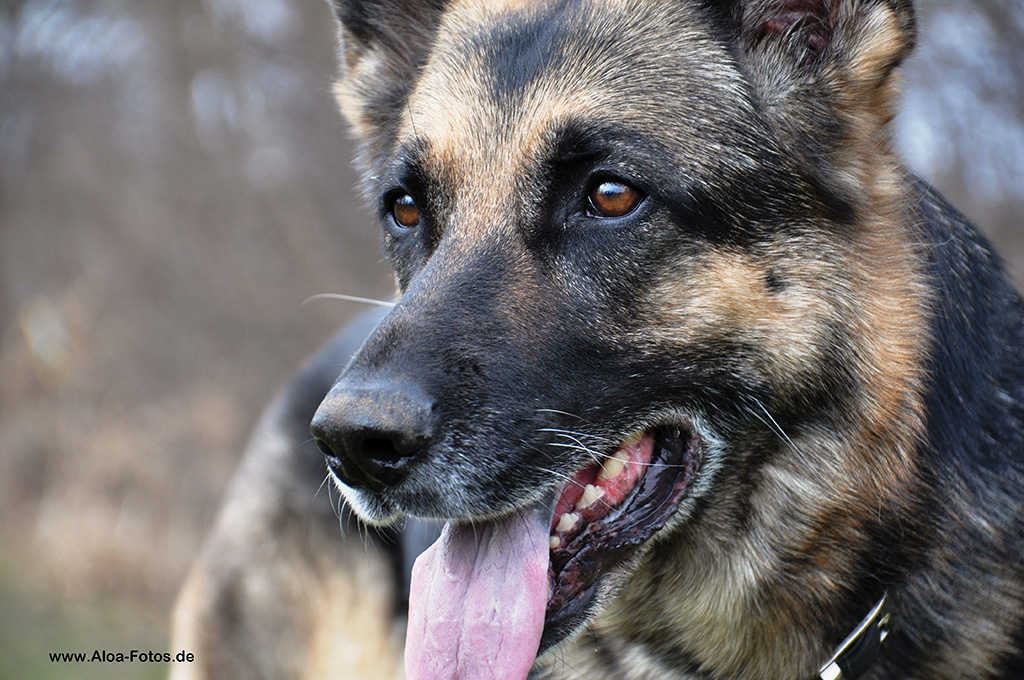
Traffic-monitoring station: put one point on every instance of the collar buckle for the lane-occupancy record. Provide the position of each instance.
(855, 655)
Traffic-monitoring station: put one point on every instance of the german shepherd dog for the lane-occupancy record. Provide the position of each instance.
(695, 379)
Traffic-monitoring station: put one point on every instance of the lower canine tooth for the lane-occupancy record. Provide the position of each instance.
(567, 521)
(613, 466)
(590, 496)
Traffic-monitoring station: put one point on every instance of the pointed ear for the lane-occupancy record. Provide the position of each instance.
(868, 36)
(383, 44)
(823, 73)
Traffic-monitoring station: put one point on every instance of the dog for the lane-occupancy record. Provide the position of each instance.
(687, 375)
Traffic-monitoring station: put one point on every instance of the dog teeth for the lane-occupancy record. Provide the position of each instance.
(567, 522)
(591, 495)
(555, 543)
(613, 467)
(633, 439)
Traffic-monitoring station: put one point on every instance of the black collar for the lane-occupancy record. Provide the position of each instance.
(854, 656)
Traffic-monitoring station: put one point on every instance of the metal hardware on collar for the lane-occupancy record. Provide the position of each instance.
(855, 655)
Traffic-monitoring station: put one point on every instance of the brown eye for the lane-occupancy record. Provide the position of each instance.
(613, 199)
(405, 212)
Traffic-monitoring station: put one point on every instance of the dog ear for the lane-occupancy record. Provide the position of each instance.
(383, 44)
(822, 71)
(867, 37)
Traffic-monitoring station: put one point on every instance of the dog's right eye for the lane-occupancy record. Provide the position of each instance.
(405, 212)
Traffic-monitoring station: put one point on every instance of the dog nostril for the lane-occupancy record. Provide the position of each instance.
(324, 447)
(372, 437)
(384, 450)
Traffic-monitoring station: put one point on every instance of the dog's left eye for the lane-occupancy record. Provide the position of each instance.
(612, 198)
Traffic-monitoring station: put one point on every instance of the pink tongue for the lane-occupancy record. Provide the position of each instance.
(477, 600)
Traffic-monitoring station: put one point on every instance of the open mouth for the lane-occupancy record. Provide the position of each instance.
(607, 511)
(488, 597)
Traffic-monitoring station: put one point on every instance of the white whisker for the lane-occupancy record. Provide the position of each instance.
(577, 446)
(772, 424)
(574, 435)
(559, 413)
(349, 298)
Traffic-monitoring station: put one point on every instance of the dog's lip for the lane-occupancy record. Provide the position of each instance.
(669, 458)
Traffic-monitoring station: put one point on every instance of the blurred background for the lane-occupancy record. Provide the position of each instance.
(174, 183)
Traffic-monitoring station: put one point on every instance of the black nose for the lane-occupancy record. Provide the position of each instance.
(372, 434)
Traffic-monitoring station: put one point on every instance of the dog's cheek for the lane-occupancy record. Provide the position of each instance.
(729, 298)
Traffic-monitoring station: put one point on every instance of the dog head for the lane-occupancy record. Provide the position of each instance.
(650, 265)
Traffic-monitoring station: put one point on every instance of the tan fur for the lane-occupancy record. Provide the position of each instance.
(290, 614)
(724, 294)
(353, 635)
